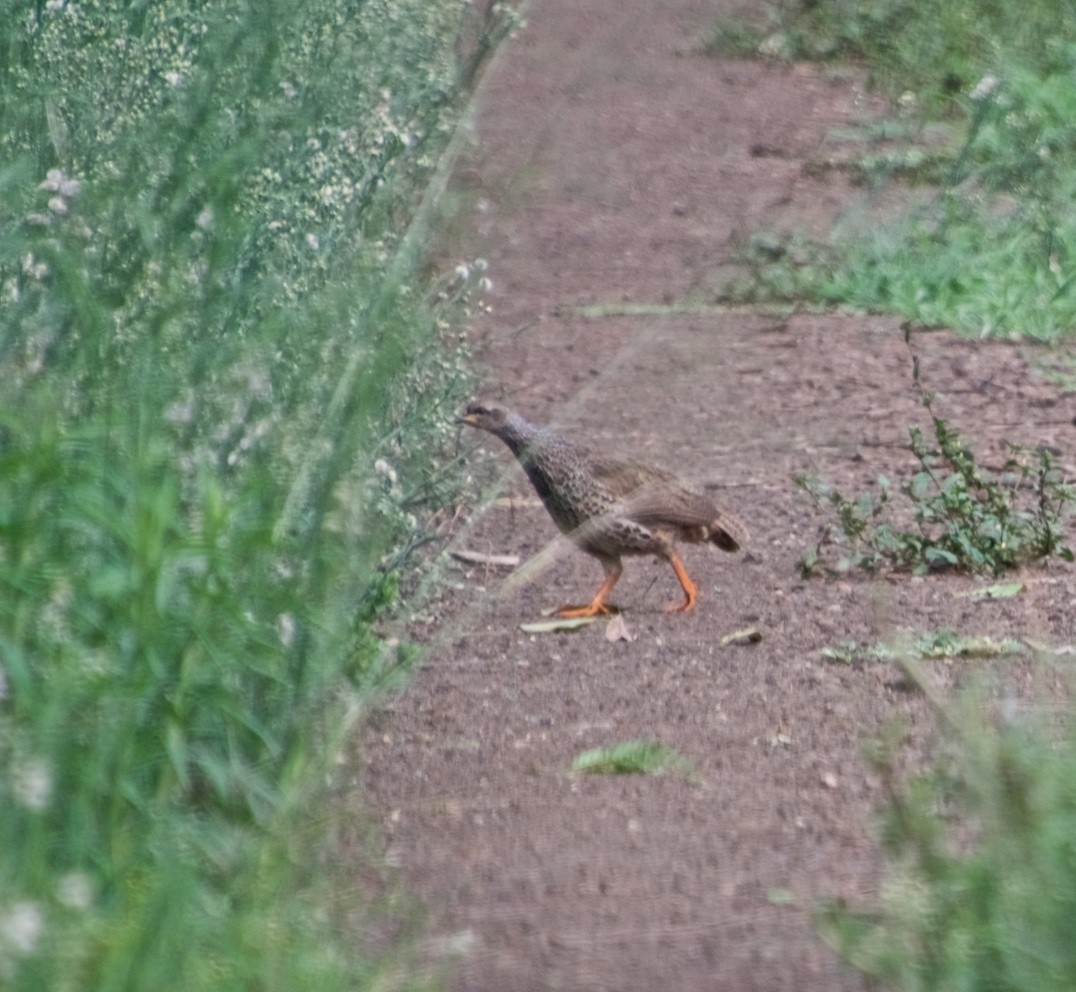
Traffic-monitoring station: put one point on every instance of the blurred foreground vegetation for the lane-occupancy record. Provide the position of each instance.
(212, 328)
(979, 891)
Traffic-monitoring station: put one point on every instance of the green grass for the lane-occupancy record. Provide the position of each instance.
(993, 252)
(228, 397)
(935, 49)
(630, 758)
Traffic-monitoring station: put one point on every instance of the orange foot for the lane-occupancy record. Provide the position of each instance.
(691, 591)
(594, 609)
(597, 607)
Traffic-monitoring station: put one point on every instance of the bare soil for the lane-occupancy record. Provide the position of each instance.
(614, 164)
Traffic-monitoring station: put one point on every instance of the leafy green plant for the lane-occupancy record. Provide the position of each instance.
(630, 758)
(965, 517)
(980, 887)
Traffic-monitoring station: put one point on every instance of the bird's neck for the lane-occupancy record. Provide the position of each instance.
(520, 434)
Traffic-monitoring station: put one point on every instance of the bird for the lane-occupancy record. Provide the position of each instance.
(609, 507)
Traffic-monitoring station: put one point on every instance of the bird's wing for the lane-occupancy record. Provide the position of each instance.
(652, 496)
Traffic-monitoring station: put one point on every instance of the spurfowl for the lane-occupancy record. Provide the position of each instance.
(610, 508)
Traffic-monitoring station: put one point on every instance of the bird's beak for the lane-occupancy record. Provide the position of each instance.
(466, 418)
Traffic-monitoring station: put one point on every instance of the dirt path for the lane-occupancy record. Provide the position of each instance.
(613, 165)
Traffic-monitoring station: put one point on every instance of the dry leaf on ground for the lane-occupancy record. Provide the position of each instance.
(478, 558)
(749, 635)
(557, 626)
(618, 630)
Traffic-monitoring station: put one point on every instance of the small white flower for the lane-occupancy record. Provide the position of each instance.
(312, 242)
(57, 181)
(285, 569)
(463, 270)
(485, 284)
(776, 46)
(984, 88)
(31, 782)
(204, 220)
(55, 6)
(481, 264)
(58, 205)
(173, 78)
(21, 927)
(286, 628)
(385, 469)
(75, 890)
(289, 90)
(180, 412)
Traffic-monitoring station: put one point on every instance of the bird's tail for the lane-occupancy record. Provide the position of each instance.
(727, 532)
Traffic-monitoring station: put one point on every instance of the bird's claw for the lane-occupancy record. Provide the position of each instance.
(570, 612)
(687, 606)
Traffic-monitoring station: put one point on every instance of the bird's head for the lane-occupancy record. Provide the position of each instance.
(485, 416)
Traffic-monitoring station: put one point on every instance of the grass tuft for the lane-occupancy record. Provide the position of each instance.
(630, 758)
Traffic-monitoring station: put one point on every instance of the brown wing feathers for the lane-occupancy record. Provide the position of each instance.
(657, 498)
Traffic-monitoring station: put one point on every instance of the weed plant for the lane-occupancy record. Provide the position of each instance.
(210, 333)
(965, 517)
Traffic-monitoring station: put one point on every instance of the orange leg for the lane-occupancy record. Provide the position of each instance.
(597, 607)
(691, 591)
